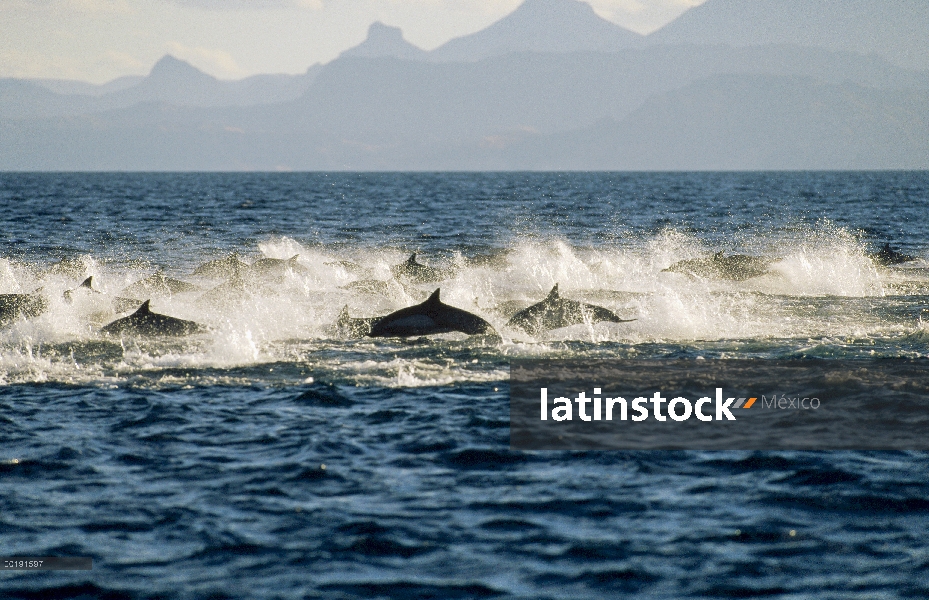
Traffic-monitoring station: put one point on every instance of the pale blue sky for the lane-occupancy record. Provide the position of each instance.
(99, 40)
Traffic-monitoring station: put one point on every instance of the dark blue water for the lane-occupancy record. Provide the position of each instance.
(275, 457)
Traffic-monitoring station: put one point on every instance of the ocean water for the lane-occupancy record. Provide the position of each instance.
(274, 456)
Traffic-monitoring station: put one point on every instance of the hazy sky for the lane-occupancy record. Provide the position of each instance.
(98, 40)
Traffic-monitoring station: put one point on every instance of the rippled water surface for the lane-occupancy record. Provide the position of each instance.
(274, 455)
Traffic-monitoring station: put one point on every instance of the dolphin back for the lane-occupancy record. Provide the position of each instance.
(457, 319)
(428, 318)
(144, 322)
(555, 312)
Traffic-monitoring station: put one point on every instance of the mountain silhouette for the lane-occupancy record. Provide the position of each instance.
(175, 81)
(384, 40)
(536, 90)
(541, 26)
(171, 81)
(895, 30)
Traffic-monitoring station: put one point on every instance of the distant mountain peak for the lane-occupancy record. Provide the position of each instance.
(542, 26)
(385, 40)
(381, 32)
(893, 30)
(555, 8)
(171, 68)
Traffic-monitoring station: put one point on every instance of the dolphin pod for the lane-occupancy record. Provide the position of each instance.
(736, 267)
(427, 318)
(555, 312)
(144, 322)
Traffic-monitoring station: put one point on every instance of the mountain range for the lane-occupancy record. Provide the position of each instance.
(731, 84)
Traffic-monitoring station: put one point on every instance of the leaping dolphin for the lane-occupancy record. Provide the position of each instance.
(737, 267)
(87, 284)
(146, 323)
(158, 285)
(222, 268)
(888, 256)
(555, 312)
(416, 272)
(430, 317)
(71, 266)
(13, 306)
(276, 267)
(372, 287)
(349, 266)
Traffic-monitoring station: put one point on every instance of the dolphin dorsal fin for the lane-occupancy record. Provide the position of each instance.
(718, 255)
(88, 283)
(144, 309)
(344, 317)
(412, 259)
(553, 295)
(434, 298)
(293, 259)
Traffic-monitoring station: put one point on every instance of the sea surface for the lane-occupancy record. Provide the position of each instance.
(275, 455)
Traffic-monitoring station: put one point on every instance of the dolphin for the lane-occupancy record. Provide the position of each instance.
(427, 318)
(13, 306)
(494, 260)
(348, 265)
(372, 287)
(888, 256)
(239, 287)
(416, 272)
(121, 305)
(555, 312)
(87, 284)
(146, 323)
(158, 285)
(221, 268)
(277, 266)
(354, 327)
(737, 267)
(71, 266)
